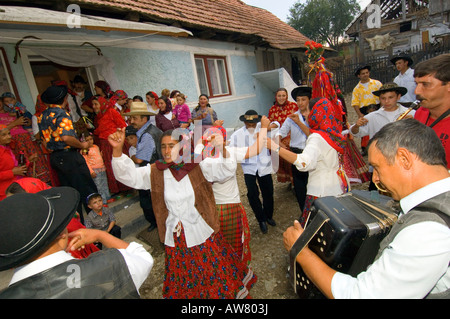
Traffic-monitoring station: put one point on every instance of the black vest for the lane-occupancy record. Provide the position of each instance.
(156, 134)
(103, 275)
(435, 209)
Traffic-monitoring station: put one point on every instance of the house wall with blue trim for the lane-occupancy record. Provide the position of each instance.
(158, 62)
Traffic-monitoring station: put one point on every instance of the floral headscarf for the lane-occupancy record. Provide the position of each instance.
(209, 149)
(324, 121)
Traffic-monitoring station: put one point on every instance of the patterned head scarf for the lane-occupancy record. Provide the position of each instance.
(208, 150)
(121, 95)
(323, 119)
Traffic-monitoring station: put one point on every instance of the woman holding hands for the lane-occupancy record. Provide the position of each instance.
(199, 262)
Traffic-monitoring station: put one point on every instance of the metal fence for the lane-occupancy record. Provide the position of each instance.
(382, 68)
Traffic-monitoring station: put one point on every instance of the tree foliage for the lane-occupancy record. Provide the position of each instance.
(323, 21)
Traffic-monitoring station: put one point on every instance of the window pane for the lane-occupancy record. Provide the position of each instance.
(201, 74)
(222, 76)
(213, 77)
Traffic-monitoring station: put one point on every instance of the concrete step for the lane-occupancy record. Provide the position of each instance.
(129, 215)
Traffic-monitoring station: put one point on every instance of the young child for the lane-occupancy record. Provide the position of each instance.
(94, 161)
(390, 110)
(11, 105)
(101, 217)
(182, 111)
(131, 138)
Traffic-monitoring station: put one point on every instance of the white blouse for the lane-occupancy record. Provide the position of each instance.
(179, 198)
(226, 191)
(322, 163)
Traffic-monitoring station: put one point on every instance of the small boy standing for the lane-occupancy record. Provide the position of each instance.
(101, 217)
(131, 138)
(390, 110)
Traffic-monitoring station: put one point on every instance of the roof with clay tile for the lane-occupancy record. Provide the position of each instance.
(226, 17)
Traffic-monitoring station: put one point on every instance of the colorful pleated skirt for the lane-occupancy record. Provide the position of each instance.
(211, 270)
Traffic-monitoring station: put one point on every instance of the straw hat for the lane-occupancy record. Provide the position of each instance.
(139, 108)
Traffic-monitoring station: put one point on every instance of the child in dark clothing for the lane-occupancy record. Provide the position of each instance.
(101, 217)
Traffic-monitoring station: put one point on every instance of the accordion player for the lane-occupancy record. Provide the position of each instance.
(345, 232)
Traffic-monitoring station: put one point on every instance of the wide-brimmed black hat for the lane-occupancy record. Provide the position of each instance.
(301, 91)
(250, 116)
(391, 87)
(54, 94)
(362, 67)
(402, 57)
(30, 222)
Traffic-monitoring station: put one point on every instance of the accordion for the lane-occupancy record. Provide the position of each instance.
(345, 232)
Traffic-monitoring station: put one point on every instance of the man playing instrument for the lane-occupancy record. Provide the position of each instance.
(413, 259)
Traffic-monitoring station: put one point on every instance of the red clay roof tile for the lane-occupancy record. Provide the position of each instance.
(227, 16)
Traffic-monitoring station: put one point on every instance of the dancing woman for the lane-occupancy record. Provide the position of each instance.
(199, 262)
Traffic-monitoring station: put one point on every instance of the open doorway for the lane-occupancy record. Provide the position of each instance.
(44, 72)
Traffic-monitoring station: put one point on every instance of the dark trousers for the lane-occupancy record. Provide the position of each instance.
(263, 211)
(300, 183)
(300, 180)
(73, 171)
(145, 200)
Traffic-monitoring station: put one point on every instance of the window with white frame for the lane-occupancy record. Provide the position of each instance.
(212, 74)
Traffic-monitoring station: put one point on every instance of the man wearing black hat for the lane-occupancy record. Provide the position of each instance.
(257, 170)
(296, 125)
(405, 78)
(58, 135)
(36, 244)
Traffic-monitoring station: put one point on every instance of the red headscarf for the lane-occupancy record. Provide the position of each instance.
(40, 106)
(324, 120)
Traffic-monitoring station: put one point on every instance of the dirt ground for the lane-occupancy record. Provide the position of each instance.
(269, 258)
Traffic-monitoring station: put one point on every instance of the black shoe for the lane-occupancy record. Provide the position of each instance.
(263, 227)
(151, 227)
(271, 222)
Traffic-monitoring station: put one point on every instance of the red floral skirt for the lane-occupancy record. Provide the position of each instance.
(211, 270)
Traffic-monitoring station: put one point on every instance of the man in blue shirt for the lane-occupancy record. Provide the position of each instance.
(146, 152)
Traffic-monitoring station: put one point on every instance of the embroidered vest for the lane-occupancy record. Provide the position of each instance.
(435, 209)
(204, 199)
(103, 275)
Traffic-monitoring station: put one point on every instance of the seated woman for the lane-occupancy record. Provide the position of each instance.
(204, 112)
(321, 156)
(199, 262)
